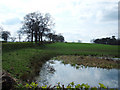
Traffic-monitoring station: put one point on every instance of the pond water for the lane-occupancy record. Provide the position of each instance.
(54, 71)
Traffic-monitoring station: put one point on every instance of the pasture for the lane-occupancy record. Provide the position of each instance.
(23, 60)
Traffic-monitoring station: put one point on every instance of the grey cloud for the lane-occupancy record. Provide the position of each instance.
(119, 11)
(111, 16)
(12, 21)
(107, 2)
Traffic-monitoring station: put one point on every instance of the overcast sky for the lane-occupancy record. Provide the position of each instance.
(74, 19)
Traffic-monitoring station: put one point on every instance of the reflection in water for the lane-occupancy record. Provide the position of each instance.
(52, 73)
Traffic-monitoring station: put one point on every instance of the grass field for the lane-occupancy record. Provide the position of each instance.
(23, 60)
(84, 49)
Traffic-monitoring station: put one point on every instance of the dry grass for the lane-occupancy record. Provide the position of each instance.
(88, 61)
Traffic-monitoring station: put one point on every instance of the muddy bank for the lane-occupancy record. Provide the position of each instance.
(89, 61)
(8, 82)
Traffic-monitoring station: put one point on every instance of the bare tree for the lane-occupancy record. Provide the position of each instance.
(5, 35)
(13, 39)
(46, 24)
(19, 34)
(49, 36)
(29, 24)
(1, 29)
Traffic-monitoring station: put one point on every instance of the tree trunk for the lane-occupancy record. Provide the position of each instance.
(50, 39)
(39, 37)
(35, 37)
(32, 36)
(19, 37)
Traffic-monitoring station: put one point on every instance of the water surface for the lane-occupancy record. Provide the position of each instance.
(54, 71)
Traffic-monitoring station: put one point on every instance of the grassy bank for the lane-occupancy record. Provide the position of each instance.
(25, 63)
(88, 61)
(23, 60)
(11, 46)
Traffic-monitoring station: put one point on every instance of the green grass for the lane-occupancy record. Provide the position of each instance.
(17, 62)
(25, 62)
(10, 46)
(24, 59)
(84, 49)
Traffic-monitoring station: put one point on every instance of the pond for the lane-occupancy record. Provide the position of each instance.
(54, 71)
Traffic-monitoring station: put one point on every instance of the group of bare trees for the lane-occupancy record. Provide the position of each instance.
(37, 25)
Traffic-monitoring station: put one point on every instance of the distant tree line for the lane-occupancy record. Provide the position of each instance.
(108, 40)
(36, 26)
